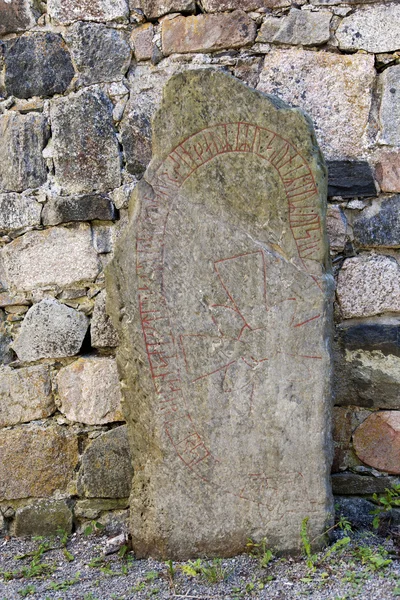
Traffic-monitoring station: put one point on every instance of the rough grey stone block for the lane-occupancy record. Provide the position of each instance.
(16, 16)
(88, 207)
(23, 138)
(316, 82)
(374, 29)
(353, 484)
(106, 470)
(389, 112)
(369, 285)
(37, 64)
(40, 459)
(25, 395)
(301, 27)
(18, 212)
(157, 8)
(50, 330)
(349, 178)
(88, 391)
(43, 518)
(57, 256)
(102, 331)
(86, 154)
(68, 11)
(101, 53)
(379, 224)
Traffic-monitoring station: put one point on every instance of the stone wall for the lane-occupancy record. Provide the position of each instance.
(79, 81)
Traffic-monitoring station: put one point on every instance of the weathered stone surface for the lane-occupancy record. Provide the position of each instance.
(334, 2)
(222, 5)
(59, 256)
(337, 228)
(88, 391)
(88, 207)
(206, 33)
(345, 421)
(349, 178)
(299, 27)
(136, 142)
(6, 354)
(387, 170)
(200, 352)
(370, 378)
(334, 90)
(369, 285)
(389, 112)
(142, 41)
(68, 11)
(157, 8)
(379, 224)
(374, 29)
(86, 155)
(92, 509)
(100, 53)
(25, 395)
(36, 461)
(37, 64)
(15, 15)
(106, 470)
(23, 138)
(353, 484)
(377, 441)
(356, 510)
(102, 331)
(50, 330)
(18, 212)
(43, 518)
(372, 334)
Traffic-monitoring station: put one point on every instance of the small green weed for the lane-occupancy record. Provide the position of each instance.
(214, 572)
(191, 568)
(261, 551)
(385, 503)
(93, 527)
(171, 571)
(27, 591)
(375, 560)
(64, 585)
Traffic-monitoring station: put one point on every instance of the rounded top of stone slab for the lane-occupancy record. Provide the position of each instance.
(195, 99)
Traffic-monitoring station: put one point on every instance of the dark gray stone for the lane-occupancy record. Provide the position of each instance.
(15, 16)
(78, 208)
(375, 334)
(43, 518)
(23, 138)
(86, 152)
(106, 470)
(357, 485)
(100, 53)
(50, 330)
(6, 354)
(136, 143)
(37, 64)
(379, 228)
(356, 510)
(348, 178)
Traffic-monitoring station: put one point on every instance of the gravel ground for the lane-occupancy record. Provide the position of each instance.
(368, 567)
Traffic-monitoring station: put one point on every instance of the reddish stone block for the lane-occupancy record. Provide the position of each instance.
(387, 170)
(15, 16)
(142, 41)
(377, 441)
(207, 33)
